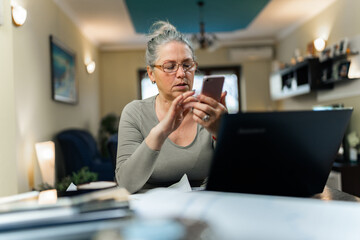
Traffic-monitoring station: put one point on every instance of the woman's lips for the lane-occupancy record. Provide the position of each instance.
(181, 86)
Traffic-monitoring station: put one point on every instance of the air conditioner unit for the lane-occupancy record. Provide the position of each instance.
(242, 54)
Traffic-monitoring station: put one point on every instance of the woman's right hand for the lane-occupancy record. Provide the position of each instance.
(170, 122)
(174, 116)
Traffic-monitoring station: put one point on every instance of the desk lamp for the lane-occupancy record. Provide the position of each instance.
(45, 152)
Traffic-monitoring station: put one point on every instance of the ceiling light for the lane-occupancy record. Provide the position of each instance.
(19, 14)
(319, 44)
(202, 39)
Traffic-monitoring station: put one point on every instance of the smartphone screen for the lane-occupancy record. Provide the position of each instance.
(212, 86)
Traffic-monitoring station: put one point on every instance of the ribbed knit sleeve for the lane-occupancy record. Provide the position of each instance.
(135, 160)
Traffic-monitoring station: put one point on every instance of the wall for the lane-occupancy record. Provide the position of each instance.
(254, 78)
(8, 173)
(37, 117)
(339, 20)
(119, 78)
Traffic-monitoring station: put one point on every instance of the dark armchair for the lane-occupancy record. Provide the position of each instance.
(112, 148)
(76, 149)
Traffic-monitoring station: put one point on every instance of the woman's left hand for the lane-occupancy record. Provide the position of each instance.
(207, 112)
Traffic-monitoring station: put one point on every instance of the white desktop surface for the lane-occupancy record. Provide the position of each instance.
(246, 216)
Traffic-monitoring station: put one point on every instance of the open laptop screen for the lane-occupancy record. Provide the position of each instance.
(277, 153)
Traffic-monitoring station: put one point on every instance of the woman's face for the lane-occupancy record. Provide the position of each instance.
(173, 84)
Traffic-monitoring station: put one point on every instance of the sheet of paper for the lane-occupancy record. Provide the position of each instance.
(183, 185)
(71, 187)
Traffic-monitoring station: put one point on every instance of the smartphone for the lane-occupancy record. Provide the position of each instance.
(212, 86)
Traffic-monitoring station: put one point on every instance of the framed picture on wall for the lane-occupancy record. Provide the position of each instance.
(343, 69)
(63, 80)
(1, 12)
(343, 46)
(325, 54)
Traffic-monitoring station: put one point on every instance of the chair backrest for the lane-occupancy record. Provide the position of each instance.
(112, 148)
(78, 148)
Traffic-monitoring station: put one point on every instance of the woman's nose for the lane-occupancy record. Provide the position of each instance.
(180, 71)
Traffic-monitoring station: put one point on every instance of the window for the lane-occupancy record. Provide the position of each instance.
(231, 84)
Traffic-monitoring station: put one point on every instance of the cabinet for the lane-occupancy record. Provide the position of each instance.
(350, 176)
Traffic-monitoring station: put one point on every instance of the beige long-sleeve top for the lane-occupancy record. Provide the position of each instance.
(139, 167)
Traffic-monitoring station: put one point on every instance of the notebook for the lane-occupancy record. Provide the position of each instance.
(277, 153)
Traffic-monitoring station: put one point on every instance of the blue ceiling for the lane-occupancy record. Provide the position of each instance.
(218, 15)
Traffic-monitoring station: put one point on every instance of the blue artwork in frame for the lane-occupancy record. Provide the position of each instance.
(1, 12)
(64, 83)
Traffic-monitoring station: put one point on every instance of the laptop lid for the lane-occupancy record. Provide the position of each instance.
(277, 153)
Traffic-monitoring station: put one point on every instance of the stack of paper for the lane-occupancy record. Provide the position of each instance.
(105, 204)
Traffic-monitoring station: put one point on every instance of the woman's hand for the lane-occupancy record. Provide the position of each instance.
(174, 116)
(207, 112)
(171, 121)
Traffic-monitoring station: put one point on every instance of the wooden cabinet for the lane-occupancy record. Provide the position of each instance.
(350, 176)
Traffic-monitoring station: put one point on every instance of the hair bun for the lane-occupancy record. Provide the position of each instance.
(161, 27)
(160, 33)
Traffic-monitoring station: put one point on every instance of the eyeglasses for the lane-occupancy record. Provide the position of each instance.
(170, 67)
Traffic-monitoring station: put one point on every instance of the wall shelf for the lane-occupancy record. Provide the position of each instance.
(339, 80)
(296, 80)
(310, 75)
(336, 69)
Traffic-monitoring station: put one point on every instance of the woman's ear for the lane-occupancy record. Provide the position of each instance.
(150, 73)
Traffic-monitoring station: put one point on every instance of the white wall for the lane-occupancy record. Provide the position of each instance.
(119, 78)
(338, 21)
(37, 117)
(8, 173)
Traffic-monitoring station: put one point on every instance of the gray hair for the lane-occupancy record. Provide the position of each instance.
(161, 33)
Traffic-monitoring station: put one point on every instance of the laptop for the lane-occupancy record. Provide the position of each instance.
(277, 153)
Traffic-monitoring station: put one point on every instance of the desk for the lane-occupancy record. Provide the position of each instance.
(329, 215)
(245, 216)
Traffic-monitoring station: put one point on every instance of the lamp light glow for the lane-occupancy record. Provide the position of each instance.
(319, 44)
(19, 14)
(47, 197)
(90, 67)
(45, 152)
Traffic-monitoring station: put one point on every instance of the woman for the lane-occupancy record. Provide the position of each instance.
(166, 136)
